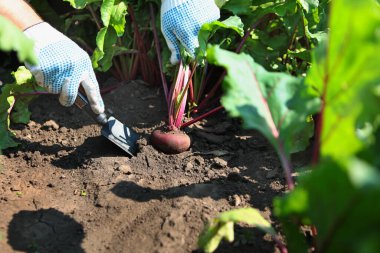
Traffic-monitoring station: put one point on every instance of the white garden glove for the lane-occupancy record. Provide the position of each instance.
(181, 21)
(63, 66)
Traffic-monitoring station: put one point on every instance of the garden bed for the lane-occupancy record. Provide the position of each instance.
(68, 189)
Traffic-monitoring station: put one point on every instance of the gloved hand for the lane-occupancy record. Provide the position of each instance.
(63, 66)
(181, 21)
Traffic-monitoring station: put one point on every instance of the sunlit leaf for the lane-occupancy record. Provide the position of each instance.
(276, 104)
(15, 109)
(118, 21)
(345, 68)
(106, 10)
(222, 227)
(103, 54)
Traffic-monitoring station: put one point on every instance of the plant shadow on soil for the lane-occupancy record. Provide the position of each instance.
(149, 203)
(45, 230)
(131, 190)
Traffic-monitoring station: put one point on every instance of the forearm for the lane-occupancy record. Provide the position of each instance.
(19, 12)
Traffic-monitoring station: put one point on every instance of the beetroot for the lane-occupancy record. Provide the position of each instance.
(172, 142)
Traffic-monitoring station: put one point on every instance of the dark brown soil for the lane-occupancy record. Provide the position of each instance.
(68, 189)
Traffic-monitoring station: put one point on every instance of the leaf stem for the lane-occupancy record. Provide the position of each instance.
(286, 165)
(123, 63)
(117, 68)
(158, 52)
(213, 111)
(96, 19)
(220, 80)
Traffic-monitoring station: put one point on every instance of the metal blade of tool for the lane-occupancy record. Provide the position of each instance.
(115, 131)
(121, 135)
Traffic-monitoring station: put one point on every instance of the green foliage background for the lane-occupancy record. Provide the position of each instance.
(299, 58)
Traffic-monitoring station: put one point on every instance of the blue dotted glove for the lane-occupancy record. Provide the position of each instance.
(181, 21)
(63, 66)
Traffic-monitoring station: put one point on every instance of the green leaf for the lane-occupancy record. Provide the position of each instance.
(222, 227)
(114, 15)
(339, 201)
(308, 4)
(344, 67)
(6, 137)
(210, 240)
(23, 75)
(15, 109)
(250, 216)
(20, 112)
(209, 29)
(276, 104)
(106, 10)
(220, 3)
(237, 7)
(103, 54)
(302, 54)
(12, 39)
(118, 21)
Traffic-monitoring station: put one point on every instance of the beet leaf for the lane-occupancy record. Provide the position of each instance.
(14, 108)
(276, 104)
(345, 72)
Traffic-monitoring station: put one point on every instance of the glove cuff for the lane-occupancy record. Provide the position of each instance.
(43, 34)
(170, 4)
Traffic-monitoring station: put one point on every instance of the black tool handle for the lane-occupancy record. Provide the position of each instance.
(82, 103)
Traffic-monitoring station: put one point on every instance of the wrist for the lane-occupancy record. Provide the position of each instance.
(19, 13)
(33, 24)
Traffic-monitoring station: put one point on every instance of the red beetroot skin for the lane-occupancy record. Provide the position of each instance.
(173, 142)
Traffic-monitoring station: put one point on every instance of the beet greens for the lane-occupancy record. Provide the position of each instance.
(334, 198)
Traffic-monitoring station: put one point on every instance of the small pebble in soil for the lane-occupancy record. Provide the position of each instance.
(236, 200)
(63, 130)
(143, 142)
(51, 124)
(220, 162)
(124, 168)
(32, 124)
(64, 142)
(189, 166)
(210, 174)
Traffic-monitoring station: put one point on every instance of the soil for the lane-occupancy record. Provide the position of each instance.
(68, 189)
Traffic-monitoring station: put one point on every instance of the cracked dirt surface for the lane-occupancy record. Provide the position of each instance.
(67, 189)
